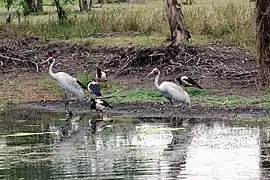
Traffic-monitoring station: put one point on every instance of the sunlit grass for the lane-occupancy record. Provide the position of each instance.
(198, 96)
(232, 21)
(6, 105)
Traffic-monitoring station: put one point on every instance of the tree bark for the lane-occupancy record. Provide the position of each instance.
(179, 32)
(34, 6)
(263, 42)
(84, 5)
(60, 11)
(39, 5)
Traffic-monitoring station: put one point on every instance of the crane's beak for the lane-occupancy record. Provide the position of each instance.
(147, 75)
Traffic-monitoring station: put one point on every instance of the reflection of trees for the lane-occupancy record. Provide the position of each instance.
(29, 157)
(265, 152)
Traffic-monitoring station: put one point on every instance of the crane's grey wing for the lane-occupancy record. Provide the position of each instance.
(178, 96)
(70, 85)
(167, 84)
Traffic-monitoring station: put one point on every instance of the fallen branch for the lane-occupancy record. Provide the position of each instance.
(16, 59)
(97, 6)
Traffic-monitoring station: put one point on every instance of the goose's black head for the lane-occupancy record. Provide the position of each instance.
(51, 59)
(93, 103)
(98, 70)
(179, 80)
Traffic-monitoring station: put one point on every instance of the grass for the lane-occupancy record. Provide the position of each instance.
(201, 97)
(5, 105)
(225, 20)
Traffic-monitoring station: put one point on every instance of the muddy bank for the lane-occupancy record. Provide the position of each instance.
(150, 111)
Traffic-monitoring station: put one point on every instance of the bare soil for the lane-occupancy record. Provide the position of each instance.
(222, 68)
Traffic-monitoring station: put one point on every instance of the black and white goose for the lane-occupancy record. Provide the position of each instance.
(188, 82)
(99, 105)
(101, 76)
(94, 88)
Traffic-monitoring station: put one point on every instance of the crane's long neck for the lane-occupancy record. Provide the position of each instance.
(50, 70)
(156, 80)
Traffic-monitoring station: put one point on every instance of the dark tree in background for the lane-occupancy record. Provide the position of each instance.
(34, 6)
(263, 42)
(84, 5)
(179, 32)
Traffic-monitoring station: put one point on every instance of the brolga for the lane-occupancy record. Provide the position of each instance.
(101, 76)
(94, 88)
(67, 83)
(187, 82)
(171, 91)
(99, 105)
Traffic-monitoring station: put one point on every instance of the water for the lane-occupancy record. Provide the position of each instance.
(72, 148)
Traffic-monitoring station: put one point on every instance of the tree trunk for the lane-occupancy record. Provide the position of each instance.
(263, 42)
(60, 11)
(31, 7)
(179, 32)
(83, 4)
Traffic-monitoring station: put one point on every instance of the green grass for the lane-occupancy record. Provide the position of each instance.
(233, 100)
(231, 21)
(142, 40)
(51, 85)
(206, 98)
(5, 105)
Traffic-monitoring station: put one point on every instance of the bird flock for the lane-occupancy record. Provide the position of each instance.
(175, 94)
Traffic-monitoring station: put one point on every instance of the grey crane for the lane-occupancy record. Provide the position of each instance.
(187, 82)
(174, 93)
(67, 83)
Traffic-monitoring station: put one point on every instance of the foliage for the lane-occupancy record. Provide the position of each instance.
(17, 6)
(5, 105)
(231, 22)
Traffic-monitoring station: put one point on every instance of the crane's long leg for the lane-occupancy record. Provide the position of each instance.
(173, 109)
(66, 102)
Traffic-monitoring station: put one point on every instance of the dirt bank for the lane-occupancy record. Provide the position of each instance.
(218, 67)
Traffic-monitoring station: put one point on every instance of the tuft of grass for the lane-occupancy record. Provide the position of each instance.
(135, 95)
(51, 85)
(84, 78)
(198, 96)
(6, 105)
(233, 100)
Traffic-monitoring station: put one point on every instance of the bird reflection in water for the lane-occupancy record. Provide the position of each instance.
(97, 124)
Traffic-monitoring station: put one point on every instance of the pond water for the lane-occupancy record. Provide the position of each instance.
(49, 145)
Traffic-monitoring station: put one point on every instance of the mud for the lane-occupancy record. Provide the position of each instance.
(150, 111)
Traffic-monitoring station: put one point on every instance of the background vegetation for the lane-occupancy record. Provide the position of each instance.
(207, 20)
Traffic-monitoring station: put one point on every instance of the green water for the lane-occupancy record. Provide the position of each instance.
(48, 145)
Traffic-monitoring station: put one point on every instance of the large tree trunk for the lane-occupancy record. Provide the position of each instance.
(60, 11)
(263, 41)
(84, 5)
(39, 5)
(179, 32)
